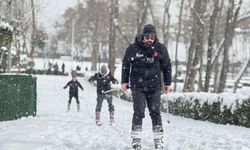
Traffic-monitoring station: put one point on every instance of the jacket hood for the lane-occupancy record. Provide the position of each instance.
(104, 71)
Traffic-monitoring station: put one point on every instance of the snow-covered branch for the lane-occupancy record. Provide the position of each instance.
(6, 26)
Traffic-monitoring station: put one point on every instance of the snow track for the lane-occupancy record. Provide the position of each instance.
(56, 129)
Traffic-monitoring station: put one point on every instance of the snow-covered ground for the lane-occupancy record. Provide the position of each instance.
(55, 129)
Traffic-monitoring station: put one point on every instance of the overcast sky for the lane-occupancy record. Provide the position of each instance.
(51, 10)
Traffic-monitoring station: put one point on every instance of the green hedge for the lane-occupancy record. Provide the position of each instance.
(218, 108)
(233, 110)
(18, 96)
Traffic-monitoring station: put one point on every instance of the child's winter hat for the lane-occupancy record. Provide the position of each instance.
(73, 73)
(104, 70)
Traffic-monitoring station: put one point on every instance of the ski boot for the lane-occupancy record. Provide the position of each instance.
(97, 119)
(158, 136)
(111, 117)
(136, 137)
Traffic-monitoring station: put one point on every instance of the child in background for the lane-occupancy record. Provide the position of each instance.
(73, 91)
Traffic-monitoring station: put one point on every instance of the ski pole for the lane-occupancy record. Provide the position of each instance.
(115, 88)
(108, 91)
(168, 118)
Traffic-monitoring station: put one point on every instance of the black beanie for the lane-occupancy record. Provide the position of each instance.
(149, 29)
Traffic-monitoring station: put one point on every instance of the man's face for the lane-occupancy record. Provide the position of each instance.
(148, 39)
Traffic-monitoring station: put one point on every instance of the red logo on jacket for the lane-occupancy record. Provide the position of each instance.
(155, 53)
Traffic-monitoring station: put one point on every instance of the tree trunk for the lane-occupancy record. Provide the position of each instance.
(219, 49)
(211, 44)
(95, 55)
(229, 33)
(187, 85)
(216, 75)
(199, 48)
(33, 29)
(165, 28)
(24, 45)
(152, 12)
(200, 52)
(195, 49)
(243, 70)
(112, 34)
(142, 14)
(176, 48)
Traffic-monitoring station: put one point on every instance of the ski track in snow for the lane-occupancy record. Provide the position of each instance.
(55, 129)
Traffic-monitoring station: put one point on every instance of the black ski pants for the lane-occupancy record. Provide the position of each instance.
(75, 96)
(100, 98)
(141, 98)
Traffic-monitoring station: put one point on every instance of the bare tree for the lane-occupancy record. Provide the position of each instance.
(152, 12)
(114, 14)
(33, 29)
(177, 42)
(91, 28)
(126, 28)
(142, 14)
(199, 49)
(196, 48)
(166, 27)
(219, 40)
(213, 18)
(23, 26)
(123, 34)
(229, 33)
(243, 70)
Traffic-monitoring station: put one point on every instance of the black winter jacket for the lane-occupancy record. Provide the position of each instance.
(142, 65)
(103, 82)
(73, 87)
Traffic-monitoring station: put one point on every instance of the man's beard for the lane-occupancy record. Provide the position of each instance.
(148, 43)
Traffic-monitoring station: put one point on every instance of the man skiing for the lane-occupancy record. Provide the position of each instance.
(104, 78)
(73, 91)
(143, 62)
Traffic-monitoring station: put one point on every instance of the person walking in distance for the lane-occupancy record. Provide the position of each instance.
(73, 91)
(63, 68)
(142, 65)
(104, 79)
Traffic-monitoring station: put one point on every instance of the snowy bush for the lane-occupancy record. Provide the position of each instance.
(5, 33)
(219, 108)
